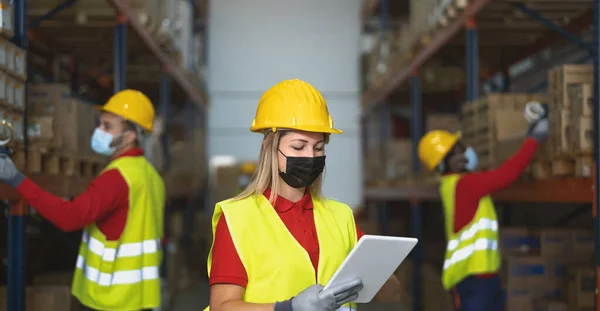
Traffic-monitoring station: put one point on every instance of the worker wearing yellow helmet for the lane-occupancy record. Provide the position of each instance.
(472, 260)
(277, 241)
(121, 212)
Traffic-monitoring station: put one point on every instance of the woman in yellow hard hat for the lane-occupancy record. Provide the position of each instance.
(472, 256)
(280, 240)
(121, 212)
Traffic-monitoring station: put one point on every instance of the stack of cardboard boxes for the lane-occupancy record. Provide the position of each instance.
(58, 125)
(571, 126)
(548, 270)
(13, 74)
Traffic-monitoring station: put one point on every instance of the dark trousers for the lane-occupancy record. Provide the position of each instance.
(479, 294)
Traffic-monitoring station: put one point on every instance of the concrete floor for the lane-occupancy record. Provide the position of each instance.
(196, 299)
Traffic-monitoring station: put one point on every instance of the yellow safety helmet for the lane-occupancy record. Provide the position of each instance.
(248, 168)
(293, 104)
(434, 146)
(132, 105)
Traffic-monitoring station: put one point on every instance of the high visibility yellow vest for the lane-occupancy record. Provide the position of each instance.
(278, 267)
(123, 275)
(474, 249)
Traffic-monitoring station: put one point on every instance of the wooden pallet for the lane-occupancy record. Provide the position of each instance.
(578, 164)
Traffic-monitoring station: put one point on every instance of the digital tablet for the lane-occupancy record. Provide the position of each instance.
(374, 259)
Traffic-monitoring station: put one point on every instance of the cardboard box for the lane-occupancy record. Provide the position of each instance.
(54, 100)
(583, 134)
(8, 16)
(581, 285)
(20, 71)
(399, 158)
(567, 245)
(581, 99)
(514, 241)
(562, 77)
(19, 94)
(11, 51)
(86, 123)
(439, 121)
(10, 91)
(536, 276)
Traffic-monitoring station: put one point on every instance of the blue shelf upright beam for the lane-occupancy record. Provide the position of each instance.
(472, 60)
(416, 132)
(17, 219)
(553, 26)
(596, 207)
(164, 111)
(120, 68)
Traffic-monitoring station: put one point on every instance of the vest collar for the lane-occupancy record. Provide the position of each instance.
(135, 152)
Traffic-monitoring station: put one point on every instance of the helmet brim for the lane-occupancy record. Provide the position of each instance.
(312, 129)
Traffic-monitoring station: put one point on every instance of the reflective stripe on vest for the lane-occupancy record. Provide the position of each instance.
(124, 250)
(474, 249)
(278, 267)
(118, 277)
(124, 274)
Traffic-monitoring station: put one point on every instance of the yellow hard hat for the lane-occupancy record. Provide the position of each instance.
(293, 104)
(133, 106)
(248, 168)
(434, 146)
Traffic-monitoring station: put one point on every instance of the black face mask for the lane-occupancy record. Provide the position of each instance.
(302, 171)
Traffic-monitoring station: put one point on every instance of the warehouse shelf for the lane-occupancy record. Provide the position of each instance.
(560, 190)
(503, 40)
(485, 38)
(98, 48)
(190, 82)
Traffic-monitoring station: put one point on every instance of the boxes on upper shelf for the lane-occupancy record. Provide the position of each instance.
(15, 60)
(8, 17)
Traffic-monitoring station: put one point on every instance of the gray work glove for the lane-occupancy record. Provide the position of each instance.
(538, 130)
(314, 298)
(9, 174)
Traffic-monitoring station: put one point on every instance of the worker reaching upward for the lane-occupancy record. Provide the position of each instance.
(121, 212)
(472, 260)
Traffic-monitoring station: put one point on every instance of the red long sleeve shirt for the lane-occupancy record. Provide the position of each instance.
(471, 187)
(227, 268)
(105, 201)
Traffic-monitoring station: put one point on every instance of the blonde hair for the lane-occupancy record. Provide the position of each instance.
(266, 174)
